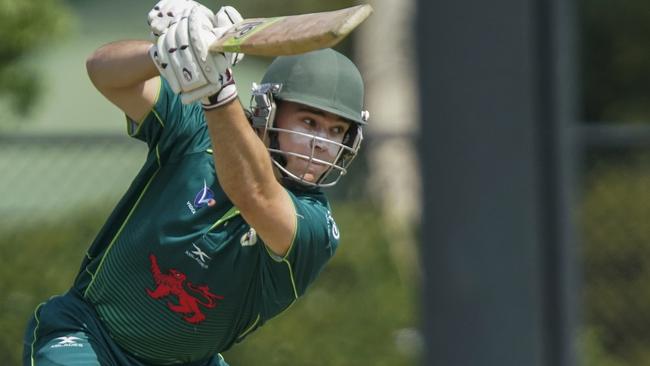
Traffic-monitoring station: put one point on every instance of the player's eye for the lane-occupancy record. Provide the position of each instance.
(338, 130)
(309, 122)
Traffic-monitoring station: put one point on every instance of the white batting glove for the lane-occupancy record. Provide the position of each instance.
(183, 59)
(176, 60)
(226, 17)
(219, 93)
(213, 95)
(226, 94)
(167, 12)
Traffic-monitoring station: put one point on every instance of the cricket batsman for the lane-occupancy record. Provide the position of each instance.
(225, 225)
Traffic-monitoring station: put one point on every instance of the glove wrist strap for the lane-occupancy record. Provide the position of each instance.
(226, 94)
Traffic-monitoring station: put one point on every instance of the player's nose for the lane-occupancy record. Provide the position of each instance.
(319, 142)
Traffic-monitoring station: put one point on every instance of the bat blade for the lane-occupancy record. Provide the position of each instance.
(293, 34)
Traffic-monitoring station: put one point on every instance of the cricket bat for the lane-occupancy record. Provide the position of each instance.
(293, 34)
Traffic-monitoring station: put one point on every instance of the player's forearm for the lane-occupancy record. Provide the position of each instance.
(121, 64)
(242, 162)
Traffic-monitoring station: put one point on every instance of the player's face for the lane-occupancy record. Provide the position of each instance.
(313, 128)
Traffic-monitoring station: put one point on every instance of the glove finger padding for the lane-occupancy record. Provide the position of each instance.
(197, 94)
(184, 61)
(210, 96)
(167, 42)
(202, 34)
(166, 12)
(227, 93)
(226, 17)
(161, 59)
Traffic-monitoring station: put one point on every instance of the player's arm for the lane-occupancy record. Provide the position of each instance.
(246, 175)
(125, 74)
(243, 164)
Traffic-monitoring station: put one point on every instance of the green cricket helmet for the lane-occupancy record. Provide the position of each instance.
(325, 80)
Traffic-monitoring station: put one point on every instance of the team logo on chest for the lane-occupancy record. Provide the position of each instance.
(203, 198)
(173, 284)
(249, 238)
(68, 342)
(201, 257)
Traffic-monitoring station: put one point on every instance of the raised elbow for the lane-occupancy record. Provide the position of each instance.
(93, 63)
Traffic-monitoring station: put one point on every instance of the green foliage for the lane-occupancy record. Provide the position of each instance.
(617, 262)
(35, 263)
(593, 352)
(18, 82)
(614, 60)
(615, 77)
(26, 26)
(352, 315)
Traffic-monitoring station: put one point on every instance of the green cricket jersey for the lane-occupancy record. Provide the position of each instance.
(176, 274)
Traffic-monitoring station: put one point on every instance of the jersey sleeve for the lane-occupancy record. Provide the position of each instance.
(315, 242)
(168, 121)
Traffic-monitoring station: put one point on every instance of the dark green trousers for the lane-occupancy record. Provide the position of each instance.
(66, 331)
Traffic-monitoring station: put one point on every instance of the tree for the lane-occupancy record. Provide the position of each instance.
(614, 60)
(25, 26)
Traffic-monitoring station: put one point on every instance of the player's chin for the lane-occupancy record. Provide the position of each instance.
(309, 173)
(309, 177)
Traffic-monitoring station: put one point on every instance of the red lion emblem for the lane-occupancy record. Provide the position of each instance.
(171, 284)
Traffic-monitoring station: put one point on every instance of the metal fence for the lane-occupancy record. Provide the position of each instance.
(614, 216)
(57, 190)
(46, 178)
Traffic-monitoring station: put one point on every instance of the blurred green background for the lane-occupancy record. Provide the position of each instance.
(614, 209)
(65, 162)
